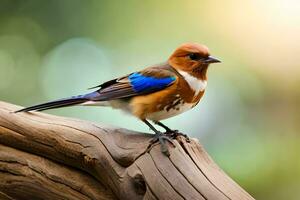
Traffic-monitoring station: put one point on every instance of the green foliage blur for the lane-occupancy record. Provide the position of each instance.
(249, 118)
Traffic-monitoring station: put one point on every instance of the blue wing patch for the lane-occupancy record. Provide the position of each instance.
(141, 83)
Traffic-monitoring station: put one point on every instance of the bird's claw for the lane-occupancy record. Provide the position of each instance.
(175, 133)
(162, 138)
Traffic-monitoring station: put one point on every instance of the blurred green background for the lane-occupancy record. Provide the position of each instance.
(249, 117)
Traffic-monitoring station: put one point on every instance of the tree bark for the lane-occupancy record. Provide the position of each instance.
(49, 157)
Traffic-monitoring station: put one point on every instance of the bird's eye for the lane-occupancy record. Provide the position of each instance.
(194, 56)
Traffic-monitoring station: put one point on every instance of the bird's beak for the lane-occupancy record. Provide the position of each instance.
(211, 59)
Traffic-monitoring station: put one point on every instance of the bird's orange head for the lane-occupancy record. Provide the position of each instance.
(192, 58)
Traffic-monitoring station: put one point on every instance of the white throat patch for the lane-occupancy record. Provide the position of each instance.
(195, 84)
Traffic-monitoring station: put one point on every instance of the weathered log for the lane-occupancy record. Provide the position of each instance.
(49, 157)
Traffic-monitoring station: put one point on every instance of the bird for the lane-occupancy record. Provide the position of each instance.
(152, 94)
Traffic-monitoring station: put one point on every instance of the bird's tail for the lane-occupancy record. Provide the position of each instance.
(75, 100)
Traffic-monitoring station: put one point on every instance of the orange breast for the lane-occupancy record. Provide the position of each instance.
(178, 94)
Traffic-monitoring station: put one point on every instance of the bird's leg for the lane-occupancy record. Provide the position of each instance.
(168, 130)
(173, 133)
(159, 137)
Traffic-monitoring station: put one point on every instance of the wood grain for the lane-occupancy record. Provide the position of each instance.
(49, 157)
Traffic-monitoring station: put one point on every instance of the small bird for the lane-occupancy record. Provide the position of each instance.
(154, 93)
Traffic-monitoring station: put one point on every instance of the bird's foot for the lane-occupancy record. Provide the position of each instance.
(175, 133)
(172, 133)
(162, 138)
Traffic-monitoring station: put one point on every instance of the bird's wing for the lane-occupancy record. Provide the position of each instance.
(149, 80)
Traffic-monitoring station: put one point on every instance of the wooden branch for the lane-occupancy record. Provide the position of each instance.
(48, 157)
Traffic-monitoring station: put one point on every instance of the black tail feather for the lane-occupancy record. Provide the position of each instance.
(55, 104)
